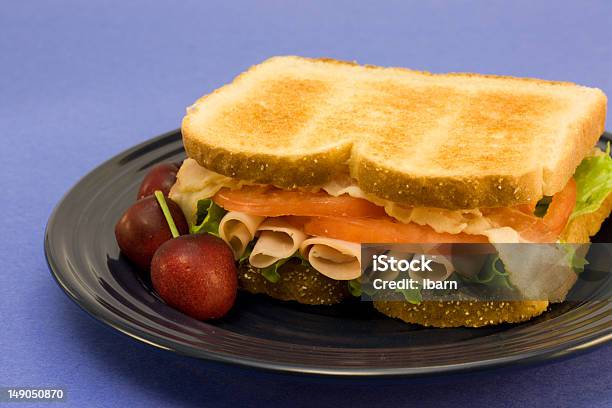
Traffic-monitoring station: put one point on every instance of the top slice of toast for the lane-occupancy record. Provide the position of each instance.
(449, 140)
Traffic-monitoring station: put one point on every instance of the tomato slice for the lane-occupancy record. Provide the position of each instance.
(382, 230)
(561, 207)
(274, 202)
(358, 220)
(536, 229)
(529, 226)
(527, 208)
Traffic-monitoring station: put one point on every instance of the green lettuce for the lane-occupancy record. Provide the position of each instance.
(354, 287)
(492, 274)
(208, 218)
(271, 272)
(575, 259)
(410, 295)
(413, 296)
(247, 252)
(593, 183)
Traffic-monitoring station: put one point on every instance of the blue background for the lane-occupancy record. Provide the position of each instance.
(81, 81)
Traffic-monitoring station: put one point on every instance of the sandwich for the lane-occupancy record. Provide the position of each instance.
(298, 162)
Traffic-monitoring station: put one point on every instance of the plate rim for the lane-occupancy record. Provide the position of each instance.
(564, 350)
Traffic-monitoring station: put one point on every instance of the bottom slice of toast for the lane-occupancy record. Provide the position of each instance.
(297, 282)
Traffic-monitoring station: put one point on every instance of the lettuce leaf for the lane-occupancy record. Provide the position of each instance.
(412, 295)
(354, 287)
(247, 252)
(576, 260)
(271, 272)
(593, 183)
(492, 274)
(208, 218)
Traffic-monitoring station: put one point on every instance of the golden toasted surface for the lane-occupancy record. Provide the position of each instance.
(297, 282)
(451, 141)
(456, 314)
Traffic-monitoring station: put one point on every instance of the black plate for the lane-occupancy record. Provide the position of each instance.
(347, 340)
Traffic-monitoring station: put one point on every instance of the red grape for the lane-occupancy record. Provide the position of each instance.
(143, 228)
(161, 177)
(196, 274)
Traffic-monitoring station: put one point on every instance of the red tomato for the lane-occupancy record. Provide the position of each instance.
(382, 230)
(561, 207)
(358, 220)
(527, 208)
(536, 229)
(274, 202)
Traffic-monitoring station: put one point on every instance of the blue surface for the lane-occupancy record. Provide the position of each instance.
(81, 81)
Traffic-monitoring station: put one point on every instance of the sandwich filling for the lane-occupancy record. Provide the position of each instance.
(325, 226)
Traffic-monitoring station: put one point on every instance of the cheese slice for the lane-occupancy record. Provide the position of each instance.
(195, 183)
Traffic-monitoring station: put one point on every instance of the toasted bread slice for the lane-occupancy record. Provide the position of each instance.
(451, 141)
(297, 282)
(477, 314)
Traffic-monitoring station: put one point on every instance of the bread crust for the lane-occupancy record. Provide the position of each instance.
(286, 100)
(442, 192)
(570, 154)
(299, 171)
(462, 313)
